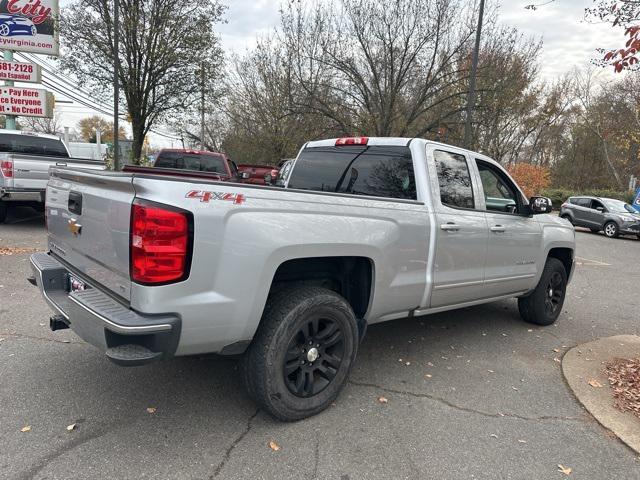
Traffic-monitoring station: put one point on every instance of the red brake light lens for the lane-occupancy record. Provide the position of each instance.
(6, 166)
(352, 141)
(161, 242)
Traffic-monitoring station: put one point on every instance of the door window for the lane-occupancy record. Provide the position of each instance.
(582, 202)
(595, 204)
(500, 194)
(454, 179)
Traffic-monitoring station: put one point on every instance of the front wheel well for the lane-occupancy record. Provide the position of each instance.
(351, 277)
(565, 255)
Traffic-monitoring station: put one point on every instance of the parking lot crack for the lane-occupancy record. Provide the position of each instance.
(234, 444)
(454, 406)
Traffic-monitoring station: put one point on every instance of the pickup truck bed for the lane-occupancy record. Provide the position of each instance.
(149, 266)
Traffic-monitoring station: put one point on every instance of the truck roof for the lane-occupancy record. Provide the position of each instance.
(30, 134)
(397, 141)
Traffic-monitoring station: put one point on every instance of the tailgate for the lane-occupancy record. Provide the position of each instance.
(88, 222)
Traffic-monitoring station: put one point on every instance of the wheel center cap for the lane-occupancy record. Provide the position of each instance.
(550, 292)
(312, 354)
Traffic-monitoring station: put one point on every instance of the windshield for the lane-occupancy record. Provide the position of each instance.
(618, 206)
(32, 145)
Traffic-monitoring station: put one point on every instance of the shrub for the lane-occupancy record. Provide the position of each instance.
(560, 195)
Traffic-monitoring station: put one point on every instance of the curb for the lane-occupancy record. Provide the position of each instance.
(587, 362)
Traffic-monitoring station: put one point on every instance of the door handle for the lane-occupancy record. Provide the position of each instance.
(61, 164)
(498, 229)
(450, 227)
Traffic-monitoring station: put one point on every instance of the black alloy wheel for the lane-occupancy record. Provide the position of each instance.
(555, 294)
(313, 357)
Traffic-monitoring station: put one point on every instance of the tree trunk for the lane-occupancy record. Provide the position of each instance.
(138, 130)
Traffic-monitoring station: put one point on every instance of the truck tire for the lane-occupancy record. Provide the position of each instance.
(3, 211)
(611, 229)
(544, 304)
(302, 353)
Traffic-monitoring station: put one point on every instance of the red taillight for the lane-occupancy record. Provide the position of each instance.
(160, 244)
(6, 166)
(352, 141)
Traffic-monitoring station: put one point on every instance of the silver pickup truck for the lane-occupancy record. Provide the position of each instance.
(25, 159)
(148, 266)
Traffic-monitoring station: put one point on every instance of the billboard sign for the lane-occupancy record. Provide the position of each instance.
(30, 26)
(20, 72)
(26, 102)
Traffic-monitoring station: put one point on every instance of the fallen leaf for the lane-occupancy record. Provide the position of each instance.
(522, 441)
(556, 350)
(530, 330)
(493, 435)
(430, 364)
(383, 400)
(595, 383)
(428, 375)
(556, 359)
(514, 388)
(26, 429)
(274, 446)
(71, 427)
(408, 363)
(491, 371)
(151, 409)
(565, 470)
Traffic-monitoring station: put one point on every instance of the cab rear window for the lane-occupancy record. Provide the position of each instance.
(32, 145)
(191, 161)
(380, 171)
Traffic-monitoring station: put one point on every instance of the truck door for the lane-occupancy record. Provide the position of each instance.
(461, 229)
(515, 239)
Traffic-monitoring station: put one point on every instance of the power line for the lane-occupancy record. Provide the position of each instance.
(62, 85)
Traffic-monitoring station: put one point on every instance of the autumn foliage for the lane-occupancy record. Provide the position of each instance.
(531, 178)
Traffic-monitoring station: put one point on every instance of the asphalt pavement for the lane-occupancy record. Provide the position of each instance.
(470, 394)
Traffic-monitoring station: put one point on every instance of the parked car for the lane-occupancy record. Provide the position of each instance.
(368, 230)
(11, 25)
(197, 161)
(609, 215)
(25, 159)
(258, 174)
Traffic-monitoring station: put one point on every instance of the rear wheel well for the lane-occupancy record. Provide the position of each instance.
(351, 277)
(565, 255)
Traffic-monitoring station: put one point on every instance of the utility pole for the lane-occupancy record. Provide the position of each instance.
(10, 123)
(471, 97)
(116, 85)
(202, 78)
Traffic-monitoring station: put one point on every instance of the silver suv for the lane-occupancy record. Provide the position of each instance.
(613, 217)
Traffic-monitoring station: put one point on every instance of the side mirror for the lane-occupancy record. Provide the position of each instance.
(540, 205)
(600, 209)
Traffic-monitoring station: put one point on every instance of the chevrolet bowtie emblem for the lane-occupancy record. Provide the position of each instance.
(75, 227)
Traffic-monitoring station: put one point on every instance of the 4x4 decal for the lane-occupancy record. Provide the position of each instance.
(206, 196)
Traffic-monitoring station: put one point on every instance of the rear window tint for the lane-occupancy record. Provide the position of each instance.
(454, 179)
(32, 145)
(191, 161)
(380, 171)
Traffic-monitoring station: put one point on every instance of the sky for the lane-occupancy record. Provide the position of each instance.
(568, 40)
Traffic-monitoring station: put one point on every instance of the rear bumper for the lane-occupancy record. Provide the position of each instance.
(127, 337)
(22, 195)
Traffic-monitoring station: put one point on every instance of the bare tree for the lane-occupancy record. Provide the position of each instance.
(50, 126)
(163, 43)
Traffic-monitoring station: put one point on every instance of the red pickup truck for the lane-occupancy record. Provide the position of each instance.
(257, 174)
(197, 160)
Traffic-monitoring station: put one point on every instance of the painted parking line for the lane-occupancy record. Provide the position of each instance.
(587, 262)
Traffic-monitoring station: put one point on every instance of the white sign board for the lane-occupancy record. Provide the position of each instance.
(26, 102)
(30, 26)
(20, 72)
